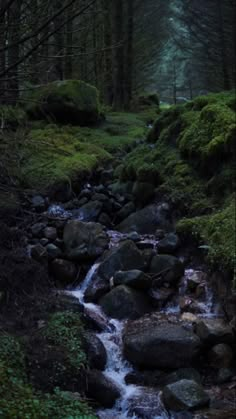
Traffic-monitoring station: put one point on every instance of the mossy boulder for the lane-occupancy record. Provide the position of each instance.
(68, 101)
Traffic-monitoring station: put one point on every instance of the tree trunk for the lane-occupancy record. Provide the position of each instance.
(129, 53)
(118, 100)
(14, 14)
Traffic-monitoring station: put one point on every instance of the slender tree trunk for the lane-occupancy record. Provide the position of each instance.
(107, 43)
(2, 54)
(129, 53)
(69, 42)
(59, 43)
(14, 14)
(226, 78)
(118, 101)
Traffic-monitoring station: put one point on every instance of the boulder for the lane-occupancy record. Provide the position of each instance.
(50, 233)
(38, 229)
(152, 344)
(184, 395)
(89, 211)
(68, 101)
(95, 351)
(147, 220)
(213, 331)
(124, 257)
(221, 356)
(127, 209)
(161, 296)
(38, 202)
(84, 241)
(134, 279)
(64, 271)
(168, 268)
(123, 302)
(169, 244)
(101, 389)
(53, 251)
(39, 253)
(146, 404)
(96, 289)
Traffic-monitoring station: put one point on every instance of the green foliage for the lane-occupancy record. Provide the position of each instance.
(217, 231)
(12, 116)
(18, 400)
(65, 329)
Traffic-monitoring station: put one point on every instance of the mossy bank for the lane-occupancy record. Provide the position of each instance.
(190, 158)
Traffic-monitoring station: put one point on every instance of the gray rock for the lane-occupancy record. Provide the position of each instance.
(127, 209)
(38, 202)
(84, 241)
(50, 233)
(184, 395)
(53, 251)
(44, 241)
(161, 296)
(101, 389)
(221, 356)
(104, 219)
(149, 343)
(169, 244)
(169, 268)
(146, 404)
(213, 331)
(124, 303)
(147, 220)
(124, 257)
(183, 373)
(96, 289)
(134, 279)
(99, 197)
(95, 351)
(37, 229)
(89, 211)
(64, 271)
(225, 375)
(39, 253)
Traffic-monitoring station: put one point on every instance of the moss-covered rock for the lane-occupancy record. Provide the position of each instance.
(68, 101)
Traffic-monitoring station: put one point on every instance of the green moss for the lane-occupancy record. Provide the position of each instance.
(217, 232)
(65, 329)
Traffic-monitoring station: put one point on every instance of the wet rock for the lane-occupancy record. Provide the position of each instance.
(127, 209)
(100, 197)
(184, 395)
(221, 356)
(134, 236)
(38, 229)
(89, 211)
(64, 271)
(146, 403)
(85, 193)
(161, 296)
(134, 279)
(38, 202)
(95, 351)
(213, 331)
(169, 244)
(124, 303)
(168, 268)
(101, 389)
(190, 305)
(225, 375)
(84, 241)
(183, 373)
(143, 192)
(105, 220)
(50, 233)
(39, 253)
(195, 279)
(96, 289)
(95, 320)
(149, 343)
(53, 251)
(44, 241)
(81, 202)
(124, 257)
(147, 220)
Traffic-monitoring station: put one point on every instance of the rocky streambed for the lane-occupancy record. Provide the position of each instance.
(157, 340)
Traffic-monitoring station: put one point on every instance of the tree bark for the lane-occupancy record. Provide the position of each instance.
(118, 15)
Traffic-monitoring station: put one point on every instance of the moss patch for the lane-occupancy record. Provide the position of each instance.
(12, 116)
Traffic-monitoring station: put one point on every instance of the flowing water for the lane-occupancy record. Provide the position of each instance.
(135, 402)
